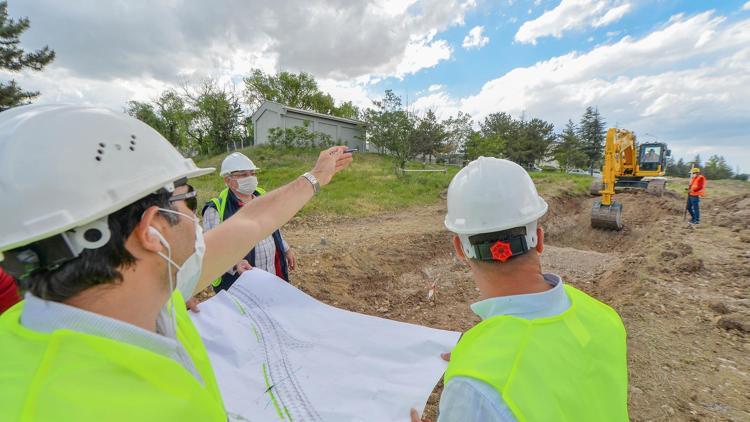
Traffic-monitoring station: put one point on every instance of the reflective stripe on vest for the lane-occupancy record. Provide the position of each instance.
(68, 375)
(221, 204)
(570, 367)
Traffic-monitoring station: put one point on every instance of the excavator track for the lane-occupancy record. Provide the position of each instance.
(656, 186)
(607, 217)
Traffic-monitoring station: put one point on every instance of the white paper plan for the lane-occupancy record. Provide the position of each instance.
(280, 355)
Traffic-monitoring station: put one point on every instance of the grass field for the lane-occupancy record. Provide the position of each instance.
(369, 186)
(718, 188)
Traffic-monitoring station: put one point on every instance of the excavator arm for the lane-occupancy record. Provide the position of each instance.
(606, 213)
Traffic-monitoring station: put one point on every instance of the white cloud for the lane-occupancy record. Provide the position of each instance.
(169, 41)
(438, 101)
(435, 87)
(475, 39)
(570, 15)
(612, 15)
(422, 52)
(746, 6)
(678, 83)
(355, 91)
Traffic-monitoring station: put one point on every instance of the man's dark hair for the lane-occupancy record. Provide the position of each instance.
(96, 266)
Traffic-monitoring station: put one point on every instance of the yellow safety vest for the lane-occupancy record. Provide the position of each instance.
(569, 367)
(71, 376)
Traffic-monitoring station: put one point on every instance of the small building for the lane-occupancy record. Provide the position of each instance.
(272, 115)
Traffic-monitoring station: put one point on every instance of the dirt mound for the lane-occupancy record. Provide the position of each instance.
(733, 213)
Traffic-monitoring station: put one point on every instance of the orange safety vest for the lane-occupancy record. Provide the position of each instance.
(697, 186)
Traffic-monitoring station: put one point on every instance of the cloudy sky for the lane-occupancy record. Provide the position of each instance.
(677, 71)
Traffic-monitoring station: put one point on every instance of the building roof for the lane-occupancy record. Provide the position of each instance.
(306, 112)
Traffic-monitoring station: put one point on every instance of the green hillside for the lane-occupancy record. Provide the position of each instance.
(368, 186)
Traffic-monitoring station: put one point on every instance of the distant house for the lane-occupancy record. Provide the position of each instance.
(274, 115)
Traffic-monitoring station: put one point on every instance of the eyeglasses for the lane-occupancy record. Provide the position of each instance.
(190, 198)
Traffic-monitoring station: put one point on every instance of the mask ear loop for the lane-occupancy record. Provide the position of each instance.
(169, 260)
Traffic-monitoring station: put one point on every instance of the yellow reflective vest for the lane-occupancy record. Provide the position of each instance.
(569, 367)
(71, 376)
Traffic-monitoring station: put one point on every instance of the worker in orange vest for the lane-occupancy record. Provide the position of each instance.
(696, 189)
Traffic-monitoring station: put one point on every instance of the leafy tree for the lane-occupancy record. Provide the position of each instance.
(429, 136)
(532, 143)
(347, 110)
(591, 131)
(14, 59)
(458, 131)
(569, 151)
(175, 118)
(524, 142)
(389, 127)
(299, 90)
(217, 120)
(479, 145)
(145, 112)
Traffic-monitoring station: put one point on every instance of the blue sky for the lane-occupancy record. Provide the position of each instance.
(467, 70)
(676, 70)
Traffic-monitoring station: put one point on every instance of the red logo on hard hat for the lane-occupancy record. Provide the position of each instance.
(501, 251)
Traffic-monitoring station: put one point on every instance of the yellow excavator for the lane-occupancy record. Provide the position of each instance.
(627, 165)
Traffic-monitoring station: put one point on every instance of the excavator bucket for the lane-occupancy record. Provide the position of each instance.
(607, 217)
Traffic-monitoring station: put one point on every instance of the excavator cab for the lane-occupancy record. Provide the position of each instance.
(652, 158)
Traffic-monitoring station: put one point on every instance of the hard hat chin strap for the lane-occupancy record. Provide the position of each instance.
(499, 246)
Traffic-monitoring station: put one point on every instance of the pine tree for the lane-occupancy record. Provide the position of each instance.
(568, 151)
(13, 58)
(696, 161)
(591, 132)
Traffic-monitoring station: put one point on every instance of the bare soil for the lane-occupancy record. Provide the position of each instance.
(683, 292)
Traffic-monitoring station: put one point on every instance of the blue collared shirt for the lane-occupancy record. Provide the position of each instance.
(470, 400)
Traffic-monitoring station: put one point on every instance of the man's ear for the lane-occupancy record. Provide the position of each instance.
(459, 249)
(144, 237)
(540, 239)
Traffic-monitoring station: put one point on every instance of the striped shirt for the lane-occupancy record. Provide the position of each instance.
(265, 250)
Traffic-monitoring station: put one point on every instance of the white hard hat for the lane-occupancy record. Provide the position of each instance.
(64, 167)
(492, 195)
(236, 161)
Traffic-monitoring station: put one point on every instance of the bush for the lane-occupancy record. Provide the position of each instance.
(299, 137)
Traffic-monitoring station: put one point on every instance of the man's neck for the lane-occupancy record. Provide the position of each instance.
(124, 301)
(518, 281)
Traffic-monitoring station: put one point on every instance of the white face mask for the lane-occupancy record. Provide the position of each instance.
(189, 272)
(247, 185)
